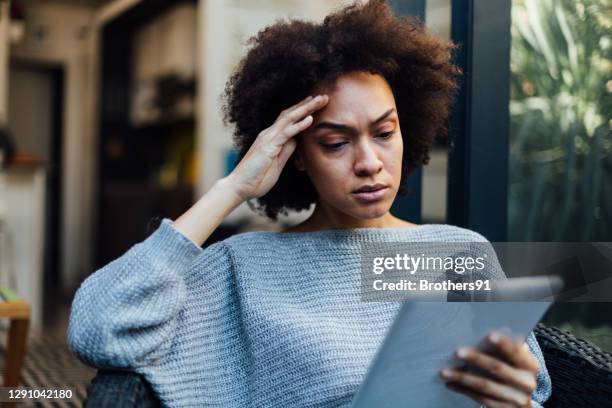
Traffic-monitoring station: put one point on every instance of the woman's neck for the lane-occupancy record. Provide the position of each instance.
(323, 220)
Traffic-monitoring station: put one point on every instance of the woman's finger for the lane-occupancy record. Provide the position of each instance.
(298, 127)
(522, 379)
(297, 105)
(297, 113)
(516, 353)
(483, 399)
(486, 386)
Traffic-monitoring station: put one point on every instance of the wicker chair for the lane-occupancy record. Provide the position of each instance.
(580, 372)
(581, 375)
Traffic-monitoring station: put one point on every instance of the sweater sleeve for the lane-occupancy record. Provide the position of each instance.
(125, 314)
(544, 385)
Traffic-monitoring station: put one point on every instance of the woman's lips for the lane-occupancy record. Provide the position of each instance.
(371, 196)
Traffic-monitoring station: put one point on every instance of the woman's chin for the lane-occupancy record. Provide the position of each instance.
(370, 209)
(373, 212)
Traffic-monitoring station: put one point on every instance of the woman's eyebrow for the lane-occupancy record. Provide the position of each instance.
(349, 129)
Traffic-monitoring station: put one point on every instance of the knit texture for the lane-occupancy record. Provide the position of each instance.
(262, 319)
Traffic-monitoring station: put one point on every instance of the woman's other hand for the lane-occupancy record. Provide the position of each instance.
(513, 374)
(261, 167)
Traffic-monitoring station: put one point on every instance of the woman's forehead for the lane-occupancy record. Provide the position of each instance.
(356, 101)
(355, 82)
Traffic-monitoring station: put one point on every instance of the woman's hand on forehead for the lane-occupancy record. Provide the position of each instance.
(263, 163)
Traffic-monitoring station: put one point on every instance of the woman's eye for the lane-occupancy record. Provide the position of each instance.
(385, 135)
(333, 146)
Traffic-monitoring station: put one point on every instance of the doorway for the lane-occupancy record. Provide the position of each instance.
(35, 119)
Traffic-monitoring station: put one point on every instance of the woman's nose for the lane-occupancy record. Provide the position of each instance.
(366, 159)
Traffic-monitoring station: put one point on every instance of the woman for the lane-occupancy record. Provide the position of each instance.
(271, 319)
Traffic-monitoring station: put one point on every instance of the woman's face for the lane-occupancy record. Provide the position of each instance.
(354, 144)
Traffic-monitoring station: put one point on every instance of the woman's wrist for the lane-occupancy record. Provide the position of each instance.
(199, 222)
(228, 188)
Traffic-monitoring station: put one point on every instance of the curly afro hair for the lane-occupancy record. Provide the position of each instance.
(287, 59)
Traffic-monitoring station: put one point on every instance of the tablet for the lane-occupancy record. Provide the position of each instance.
(422, 340)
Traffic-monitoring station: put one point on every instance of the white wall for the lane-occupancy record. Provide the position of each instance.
(32, 97)
(435, 174)
(61, 34)
(24, 194)
(22, 212)
(438, 17)
(4, 58)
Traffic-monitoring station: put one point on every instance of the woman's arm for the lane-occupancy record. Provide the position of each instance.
(209, 211)
(125, 315)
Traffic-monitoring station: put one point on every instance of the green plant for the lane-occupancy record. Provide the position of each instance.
(560, 132)
(601, 336)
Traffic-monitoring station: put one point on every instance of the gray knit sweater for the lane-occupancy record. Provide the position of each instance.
(262, 319)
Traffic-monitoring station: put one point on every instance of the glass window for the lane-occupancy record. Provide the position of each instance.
(560, 108)
(560, 139)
